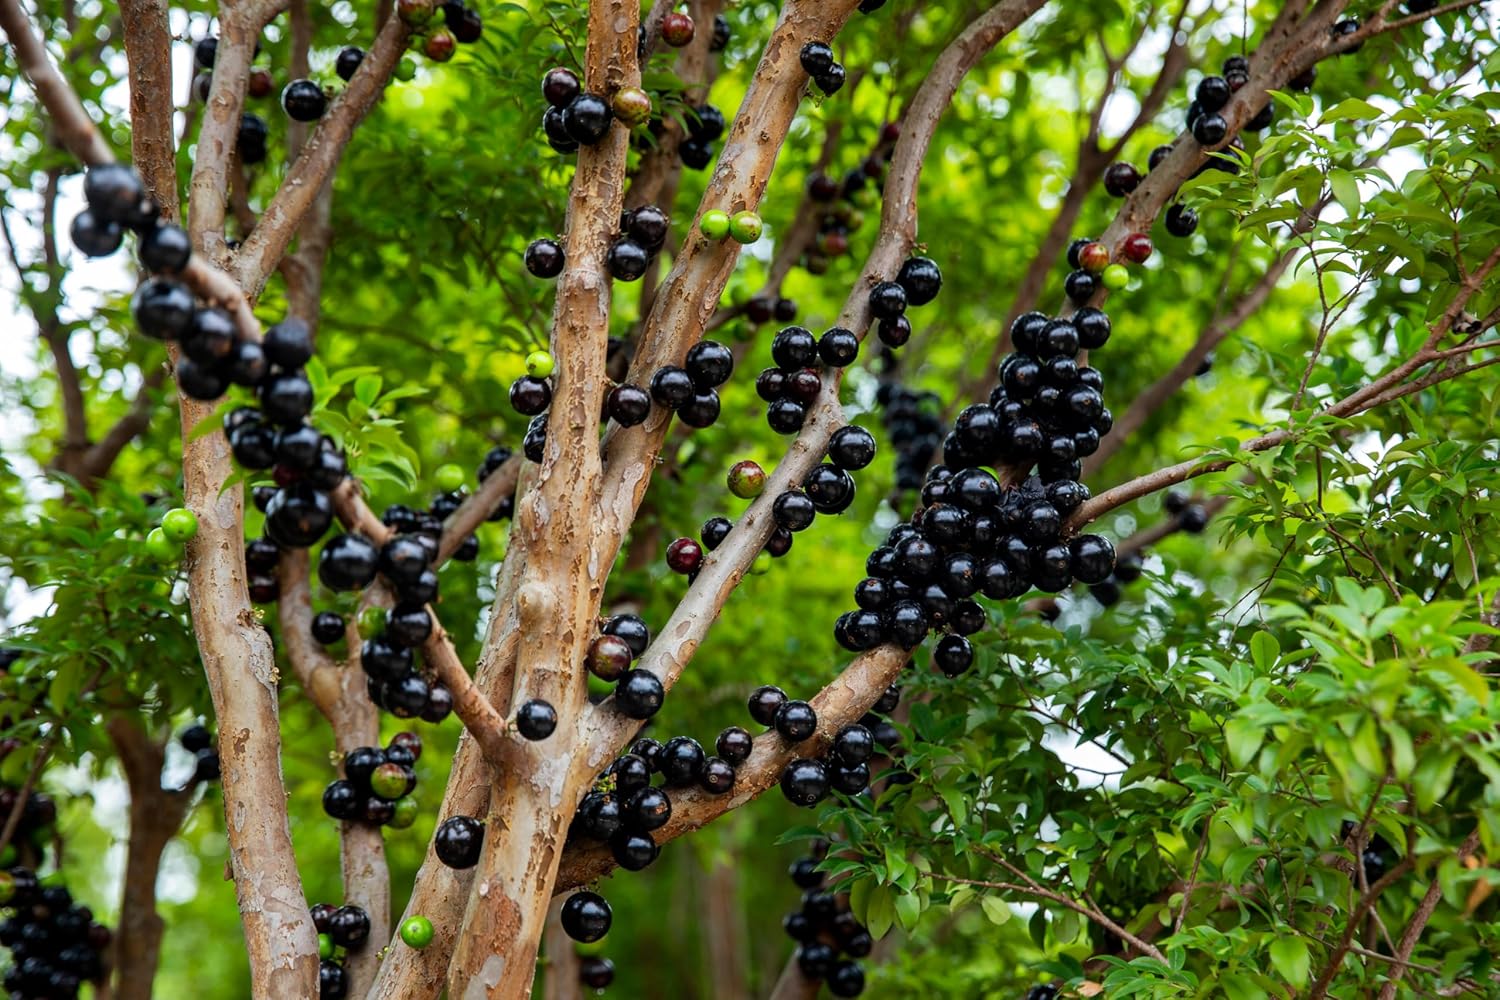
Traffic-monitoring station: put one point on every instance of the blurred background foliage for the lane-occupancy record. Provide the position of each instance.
(438, 195)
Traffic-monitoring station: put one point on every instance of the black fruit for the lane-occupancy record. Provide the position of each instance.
(536, 719)
(165, 249)
(162, 308)
(348, 562)
(544, 258)
(838, 347)
(922, 280)
(348, 60)
(458, 840)
(734, 745)
(672, 387)
(639, 694)
(817, 58)
(303, 101)
(289, 343)
(628, 405)
(765, 702)
(804, 782)
(587, 119)
(796, 721)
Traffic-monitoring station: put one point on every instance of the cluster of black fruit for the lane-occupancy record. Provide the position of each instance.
(205, 52)
(975, 536)
(825, 930)
(1209, 127)
(351, 562)
(839, 202)
(643, 232)
(705, 125)
(911, 420)
(690, 390)
(55, 944)
(818, 62)
(763, 309)
(38, 814)
(342, 928)
(574, 117)
(377, 784)
(198, 741)
(806, 781)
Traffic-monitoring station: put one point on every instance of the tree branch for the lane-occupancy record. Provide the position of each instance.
(71, 123)
(156, 814)
(725, 566)
(1418, 922)
(148, 49)
(259, 254)
(843, 701)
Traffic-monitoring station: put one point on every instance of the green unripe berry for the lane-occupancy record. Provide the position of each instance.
(449, 478)
(745, 227)
(416, 931)
(746, 480)
(180, 524)
(1116, 277)
(714, 224)
(161, 548)
(8, 857)
(7, 887)
(388, 781)
(406, 70)
(371, 622)
(325, 946)
(540, 364)
(405, 814)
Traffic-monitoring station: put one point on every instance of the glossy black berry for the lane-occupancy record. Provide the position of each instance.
(853, 745)
(631, 628)
(341, 800)
(165, 249)
(765, 702)
(633, 851)
(1181, 221)
(349, 926)
(639, 694)
(1080, 286)
(1210, 129)
(647, 809)
(804, 782)
(922, 280)
(544, 258)
(628, 260)
(209, 339)
(851, 447)
(1121, 178)
(458, 841)
(816, 58)
(536, 719)
(628, 405)
(953, 655)
(114, 192)
(793, 511)
(734, 745)
(887, 300)
(671, 387)
(709, 363)
(530, 396)
(162, 308)
(794, 347)
(838, 347)
(700, 411)
(681, 761)
(1213, 93)
(586, 916)
(348, 562)
(832, 81)
(303, 101)
(796, 721)
(587, 119)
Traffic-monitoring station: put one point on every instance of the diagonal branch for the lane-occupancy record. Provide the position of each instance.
(148, 49)
(843, 701)
(71, 123)
(726, 565)
(260, 253)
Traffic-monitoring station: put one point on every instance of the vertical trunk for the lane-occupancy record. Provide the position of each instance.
(155, 817)
(724, 932)
(367, 882)
(561, 976)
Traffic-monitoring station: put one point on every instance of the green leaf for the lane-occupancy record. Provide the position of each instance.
(1345, 189)
(997, 909)
(1244, 738)
(1290, 957)
(65, 685)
